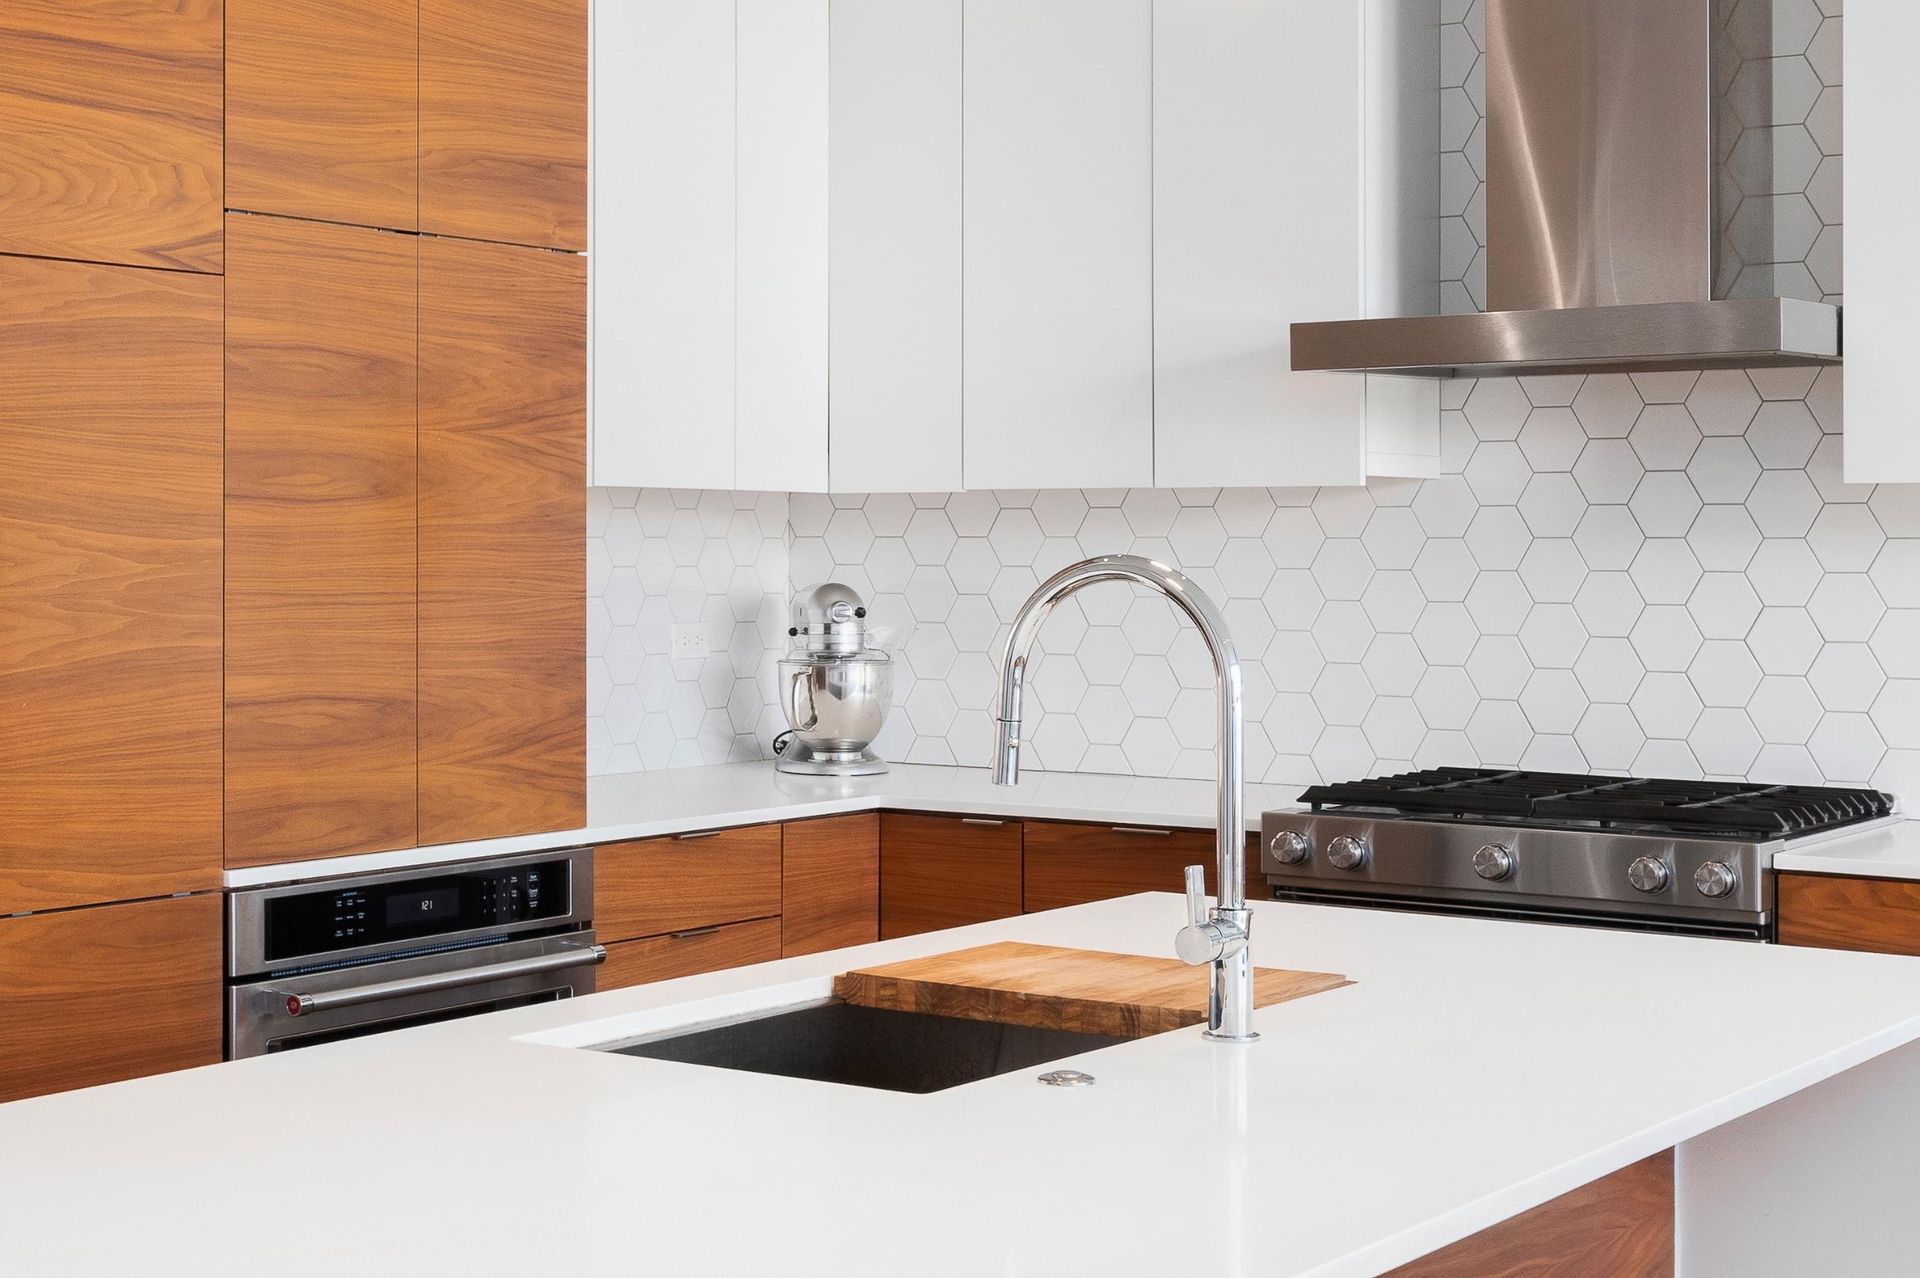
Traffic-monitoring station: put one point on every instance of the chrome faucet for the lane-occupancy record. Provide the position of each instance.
(1217, 936)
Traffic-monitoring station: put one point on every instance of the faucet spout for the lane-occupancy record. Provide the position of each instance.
(1220, 939)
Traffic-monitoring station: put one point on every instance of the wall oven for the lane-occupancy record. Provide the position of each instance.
(329, 959)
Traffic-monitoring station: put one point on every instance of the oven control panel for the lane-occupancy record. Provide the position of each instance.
(424, 909)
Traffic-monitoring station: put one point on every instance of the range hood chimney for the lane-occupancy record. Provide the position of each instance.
(1600, 214)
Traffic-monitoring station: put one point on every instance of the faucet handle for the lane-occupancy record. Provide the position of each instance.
(1197, 895)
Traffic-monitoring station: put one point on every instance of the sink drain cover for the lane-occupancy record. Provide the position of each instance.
(1066, 1078)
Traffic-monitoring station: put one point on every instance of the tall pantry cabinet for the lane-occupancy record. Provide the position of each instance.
(292, 470)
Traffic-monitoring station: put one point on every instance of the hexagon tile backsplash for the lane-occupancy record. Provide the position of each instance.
(1662, 575)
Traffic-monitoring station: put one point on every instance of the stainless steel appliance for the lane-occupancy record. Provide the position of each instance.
(836, 689)
(1676, 856)
(338, 958)
(1602, 211)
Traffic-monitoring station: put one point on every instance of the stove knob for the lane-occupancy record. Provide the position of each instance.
(1715, 879)
(1494, 861)
(1290, 847)
(1347, 852)
(1649, 874)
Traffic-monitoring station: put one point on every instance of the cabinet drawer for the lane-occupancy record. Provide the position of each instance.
(1075, 864)
(1825, 910)
(689, 881)
(113, 992)
(939, 872)
(689, 953)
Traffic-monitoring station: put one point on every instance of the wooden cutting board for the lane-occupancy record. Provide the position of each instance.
(1124, 995)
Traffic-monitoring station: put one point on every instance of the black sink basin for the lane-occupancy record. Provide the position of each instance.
(835, 1042)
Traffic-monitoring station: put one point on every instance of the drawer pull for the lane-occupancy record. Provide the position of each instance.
(981, 821)
(692, 932)
(698, 834)
(1141, 829)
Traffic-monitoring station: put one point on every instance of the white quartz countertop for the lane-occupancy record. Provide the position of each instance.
(1476, 1069)
(1890, 852)
(643, 805)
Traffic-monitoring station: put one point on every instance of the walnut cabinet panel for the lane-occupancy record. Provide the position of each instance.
(1840, 913)
(110, 131)
(502, 538)
(109, 583)
(939, 871)
(321, 526)
(830, 884)
(113, 992)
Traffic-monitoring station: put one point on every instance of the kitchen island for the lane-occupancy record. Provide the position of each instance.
(1473, 1071)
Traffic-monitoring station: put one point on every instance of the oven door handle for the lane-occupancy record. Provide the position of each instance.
(574, 956)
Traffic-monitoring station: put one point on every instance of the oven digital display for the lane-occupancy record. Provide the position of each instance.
(423, 909)
(412, 910)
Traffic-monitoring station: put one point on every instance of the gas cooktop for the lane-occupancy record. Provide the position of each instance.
(1562, 800)
(1684, 856)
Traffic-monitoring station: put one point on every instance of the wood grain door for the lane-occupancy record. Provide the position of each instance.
(1072, 864)
(503, 486)
(503, 120)
(321, 510)
(938, 871)
(109, 583)
(117, 991)
(110, 131)
(688, 953)
(830, 883)
(323, 109)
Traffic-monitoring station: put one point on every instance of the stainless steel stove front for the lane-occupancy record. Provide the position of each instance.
(1591, 876)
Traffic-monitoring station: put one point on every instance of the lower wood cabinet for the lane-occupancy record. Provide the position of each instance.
(1072, 864)
(108, 993)
(689, 953)
(938, 872)
(830, 884)
(1839, 913)
(655, 886)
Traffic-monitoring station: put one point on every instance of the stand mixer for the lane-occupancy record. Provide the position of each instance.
(835, 689)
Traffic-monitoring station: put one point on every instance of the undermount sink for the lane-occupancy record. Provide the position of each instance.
(837, 1042)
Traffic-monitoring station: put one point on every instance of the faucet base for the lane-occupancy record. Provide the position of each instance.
(1248, 1037)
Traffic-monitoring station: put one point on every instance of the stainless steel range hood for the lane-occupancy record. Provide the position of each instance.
(1601, 222)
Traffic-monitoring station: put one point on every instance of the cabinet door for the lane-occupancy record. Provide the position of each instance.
(1059, 243)
(323, 109)
(655, 886)
(895, 233)
(780, 219)
(1074, 864)
(939, 872)
(502, 540)
(503, 120)
(320, 549)
(1882, 189)
(1838, 913)
(830, 883)
(109, 583)
(110, 131)
(114, 992)
(663, 245)
(688, 953)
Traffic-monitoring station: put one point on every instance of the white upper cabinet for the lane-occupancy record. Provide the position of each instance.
(1882, 188)
(1294, 179)
(662, 244)
(1059, 243)
(780, 238)
(925, 245)
(895, 260)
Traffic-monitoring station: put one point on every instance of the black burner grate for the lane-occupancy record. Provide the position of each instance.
(1559, 798)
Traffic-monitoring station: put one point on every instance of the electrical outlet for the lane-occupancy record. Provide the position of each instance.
(687, 643)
